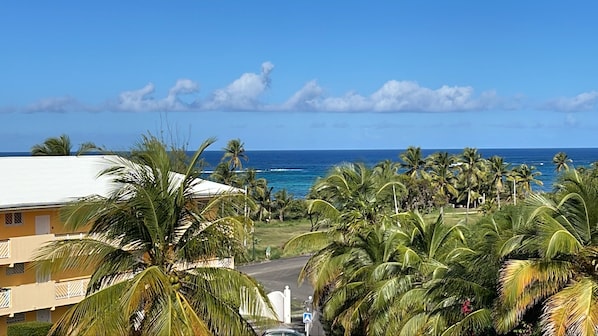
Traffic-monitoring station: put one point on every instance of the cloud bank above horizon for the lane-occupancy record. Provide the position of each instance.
(244, 93)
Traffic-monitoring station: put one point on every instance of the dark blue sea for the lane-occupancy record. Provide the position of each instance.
(296, 171)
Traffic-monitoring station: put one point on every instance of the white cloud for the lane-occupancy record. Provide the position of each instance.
(582, 102)
(141, 100)
(54, 104)
(393, 96)
(245, 94)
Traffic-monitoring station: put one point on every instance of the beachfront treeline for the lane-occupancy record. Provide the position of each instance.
(425, 183)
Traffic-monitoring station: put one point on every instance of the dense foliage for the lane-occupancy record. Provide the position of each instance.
(29, 329)
(149, 245)
(528, 265)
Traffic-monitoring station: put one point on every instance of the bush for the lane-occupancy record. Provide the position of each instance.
(29, 328)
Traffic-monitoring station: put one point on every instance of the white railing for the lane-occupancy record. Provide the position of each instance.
(5, 249)
(4, 298)
(69, 289)
(79, 235)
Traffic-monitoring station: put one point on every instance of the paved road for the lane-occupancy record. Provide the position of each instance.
(276, 274)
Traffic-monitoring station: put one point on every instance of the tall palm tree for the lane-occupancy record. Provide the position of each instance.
(413, 161)
(441, 175)
(234, 152)
(526, 176)
(147, 245)
(561, 160)
(61, 146)
(283, 201)
(471, 172)
(555, 271)
(498, 172)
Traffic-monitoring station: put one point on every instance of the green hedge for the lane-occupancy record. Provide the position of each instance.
(29, 329)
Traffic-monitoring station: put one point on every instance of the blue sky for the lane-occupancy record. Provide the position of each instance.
(300, 74)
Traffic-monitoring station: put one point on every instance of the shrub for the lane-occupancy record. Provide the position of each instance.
(33, 328)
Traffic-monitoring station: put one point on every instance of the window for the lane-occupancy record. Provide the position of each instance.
(18, 317)
(16, 269)
(13, 218)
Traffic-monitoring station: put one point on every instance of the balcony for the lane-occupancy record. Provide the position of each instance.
(4, 298)
(45, 295)
(22, 249)
(71, 289)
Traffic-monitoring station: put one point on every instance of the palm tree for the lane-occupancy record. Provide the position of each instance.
(224, 174)
(283, 201)
(555, 271)
(498, 172)
(471, 170)
(441, 175)
(147, 245)
(263, 198)
(61, 146)
(387, 171)
(234, 152)
(560, 161)
(412, 161)
(526, 175)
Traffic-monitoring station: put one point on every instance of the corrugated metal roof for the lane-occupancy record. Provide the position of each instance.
(37, 181)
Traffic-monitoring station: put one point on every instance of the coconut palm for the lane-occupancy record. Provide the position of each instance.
(556, 270)
(526, 176)
(498, 172)
(61, 146)
(412, 161)
(441, 175)
(234, 152)
(224, 174)
(148, 244)
(471, 172)
(561, 160)
(283, 201)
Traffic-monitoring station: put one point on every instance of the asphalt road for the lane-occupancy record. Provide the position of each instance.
(276, 274)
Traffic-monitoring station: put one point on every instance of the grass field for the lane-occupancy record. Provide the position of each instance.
(275, 233)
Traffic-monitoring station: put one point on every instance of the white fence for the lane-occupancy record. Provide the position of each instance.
(5, 249)
(69, 289)
(4, 298)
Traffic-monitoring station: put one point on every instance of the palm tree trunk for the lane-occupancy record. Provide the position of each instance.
(498, 198)
(394, 195)
(468, 200)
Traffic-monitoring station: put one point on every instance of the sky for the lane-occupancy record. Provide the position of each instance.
(300, 74)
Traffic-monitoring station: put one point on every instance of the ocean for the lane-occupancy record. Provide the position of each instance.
(297, 170)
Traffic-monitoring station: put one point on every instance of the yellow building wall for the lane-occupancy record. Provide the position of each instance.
(28, 226)
(29, 276)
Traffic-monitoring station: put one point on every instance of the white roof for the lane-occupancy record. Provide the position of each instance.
(37, 181)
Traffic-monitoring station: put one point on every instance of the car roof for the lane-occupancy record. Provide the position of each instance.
(282, 330)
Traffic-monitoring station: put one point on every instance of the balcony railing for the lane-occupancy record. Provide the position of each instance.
(22, 249)
(4, 249)
(4, 298)
(70, 289)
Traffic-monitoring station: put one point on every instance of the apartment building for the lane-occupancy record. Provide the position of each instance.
(32, 192)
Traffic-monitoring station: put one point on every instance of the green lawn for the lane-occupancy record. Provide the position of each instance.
(275, 233)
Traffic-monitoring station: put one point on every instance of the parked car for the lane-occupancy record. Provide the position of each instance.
(282, 332)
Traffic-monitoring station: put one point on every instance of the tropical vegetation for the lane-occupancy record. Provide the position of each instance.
(438, 245)
(61, 146)
(149, 245)
(384, 265)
